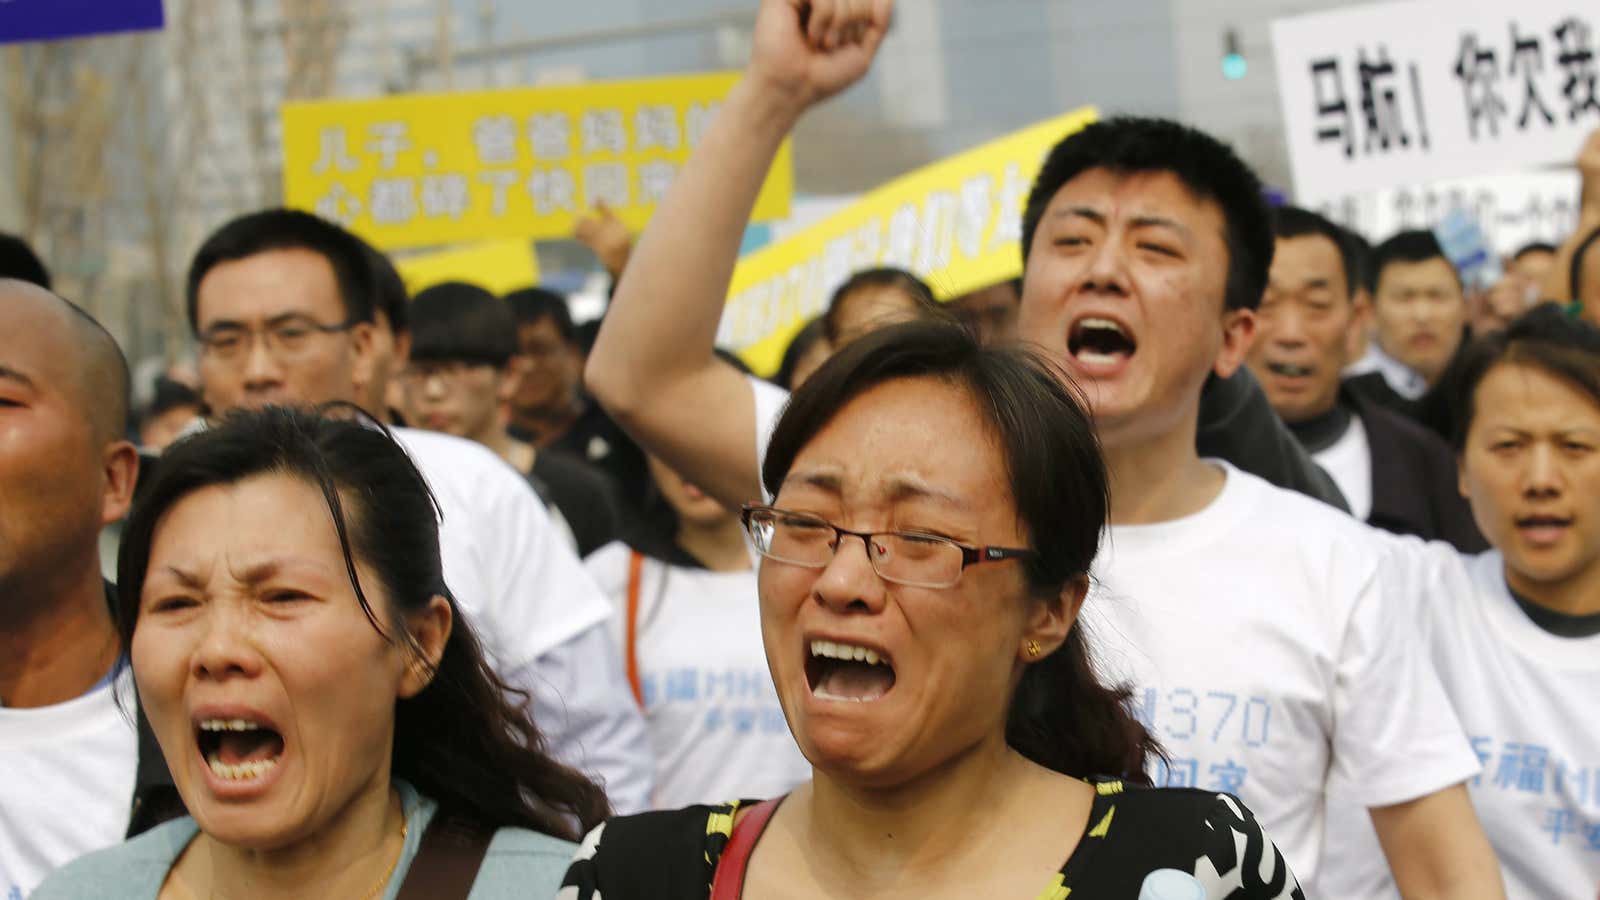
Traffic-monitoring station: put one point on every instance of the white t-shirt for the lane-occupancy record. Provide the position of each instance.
(770, 401)
(1349, 462)
(1268, 659)
(504, 562)
(1530, 703)
(715, 723)
(66, 783)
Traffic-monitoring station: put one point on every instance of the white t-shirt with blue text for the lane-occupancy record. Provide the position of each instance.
(1268, 655)
(716, 728)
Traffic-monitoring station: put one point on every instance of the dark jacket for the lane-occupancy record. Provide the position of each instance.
(1414, 486)
(1438, 410)
(1239, 425)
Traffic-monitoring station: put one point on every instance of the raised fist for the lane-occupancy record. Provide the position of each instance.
(808, 50)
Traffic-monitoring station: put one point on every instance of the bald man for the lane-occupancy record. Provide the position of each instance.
(67, 753)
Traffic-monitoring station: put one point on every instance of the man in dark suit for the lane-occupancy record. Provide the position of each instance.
(1394, 473)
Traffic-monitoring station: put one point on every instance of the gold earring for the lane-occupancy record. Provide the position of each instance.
(1033, 649)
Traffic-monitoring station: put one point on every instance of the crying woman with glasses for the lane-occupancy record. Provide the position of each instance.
(935, 508)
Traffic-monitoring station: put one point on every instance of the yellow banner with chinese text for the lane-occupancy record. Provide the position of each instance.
(957, 223)
(497, 266)
(429, 169)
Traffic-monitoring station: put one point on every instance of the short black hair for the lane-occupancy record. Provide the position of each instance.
(584, 334)
(389, 290)
(284, 229)
(1412, 246)
(1205, 165)
(171, 395)
(17, 260)
(1534, 247)
(460, 322)
(1295, 222)
(533, 304)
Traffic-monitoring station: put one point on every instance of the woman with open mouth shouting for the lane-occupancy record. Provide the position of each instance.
(935, 510)
(327, 716)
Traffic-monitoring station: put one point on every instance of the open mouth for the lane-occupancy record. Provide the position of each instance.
(837, 671)
(238, 749)
(1096, 341)
(1289, 370)
(1543, 529)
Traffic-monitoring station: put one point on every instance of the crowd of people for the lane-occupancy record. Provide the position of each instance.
(1223, 554)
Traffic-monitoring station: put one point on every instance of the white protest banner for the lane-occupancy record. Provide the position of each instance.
(1401, 93)
(1513, 209)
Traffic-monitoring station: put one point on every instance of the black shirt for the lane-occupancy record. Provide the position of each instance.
(1132, 832)
(601, 442)
(585, 497)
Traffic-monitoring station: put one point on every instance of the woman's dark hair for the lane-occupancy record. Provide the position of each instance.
(799, 345)
(1061, 717)
(462, 740)
(914, 288)
(1544, 337)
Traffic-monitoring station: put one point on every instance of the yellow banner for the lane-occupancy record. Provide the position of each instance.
(429, 169)
(957, 223)
(498, 266)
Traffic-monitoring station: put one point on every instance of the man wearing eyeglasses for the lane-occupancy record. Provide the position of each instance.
(282, 304)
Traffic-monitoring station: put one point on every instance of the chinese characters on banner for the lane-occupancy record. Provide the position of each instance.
(499, 266)
(428, 169)
(1512, 209)
(1404, 93)
(957, 223)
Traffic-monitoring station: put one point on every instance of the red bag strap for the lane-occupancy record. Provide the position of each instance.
(631, 636)
(728, 883)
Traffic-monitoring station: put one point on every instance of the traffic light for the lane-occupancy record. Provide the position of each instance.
(1234, 66)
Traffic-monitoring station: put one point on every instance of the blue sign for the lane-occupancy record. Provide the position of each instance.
(48, 20)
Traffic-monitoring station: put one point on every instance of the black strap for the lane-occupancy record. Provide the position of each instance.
(155, 797)
(447, 860)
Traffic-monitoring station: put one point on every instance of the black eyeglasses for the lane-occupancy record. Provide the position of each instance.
(903, 557)
(286, 337)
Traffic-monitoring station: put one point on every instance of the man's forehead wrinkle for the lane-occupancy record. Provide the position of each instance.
(1140, 216)
(1160, 221)
(10, 372)
(1080, 211)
